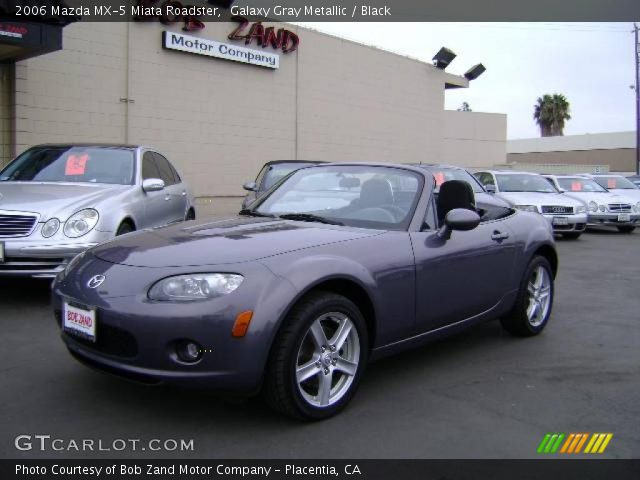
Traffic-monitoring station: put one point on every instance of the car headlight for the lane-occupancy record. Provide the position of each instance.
(527, 208)
(581, 209)
(50, 228)
(603, 208)
(81, 223)
(195, 286)
(593, 206)
(638, 207)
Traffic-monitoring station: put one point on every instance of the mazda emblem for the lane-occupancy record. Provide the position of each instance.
(96, 281)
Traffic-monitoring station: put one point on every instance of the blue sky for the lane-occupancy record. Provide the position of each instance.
(592, 64)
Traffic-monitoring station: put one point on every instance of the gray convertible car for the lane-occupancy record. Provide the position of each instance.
(339, 265)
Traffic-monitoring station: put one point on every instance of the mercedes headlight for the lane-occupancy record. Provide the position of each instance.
(527, 208)
(81, 223)
(195, 286)
(593, 206)
(50, 228)
(581, 209)
(603, 208)
(637, 207)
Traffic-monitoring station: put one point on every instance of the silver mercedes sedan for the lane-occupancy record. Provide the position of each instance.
(58, 200)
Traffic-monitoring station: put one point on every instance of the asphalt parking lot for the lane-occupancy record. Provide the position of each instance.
(481, 394)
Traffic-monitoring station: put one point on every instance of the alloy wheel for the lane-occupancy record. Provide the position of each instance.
(539, 290)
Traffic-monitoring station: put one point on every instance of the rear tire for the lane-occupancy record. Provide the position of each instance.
(317, 358)
(125, 227)
(191, 215)
(535, 300)
(626, 229)
(572, 235)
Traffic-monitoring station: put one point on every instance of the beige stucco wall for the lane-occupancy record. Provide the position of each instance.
(618, 160)
(219, 121)
(474, 139)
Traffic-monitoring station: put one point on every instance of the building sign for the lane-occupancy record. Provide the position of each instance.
(265, 37)
(225, 51)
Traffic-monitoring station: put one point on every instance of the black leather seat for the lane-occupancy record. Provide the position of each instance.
(455, 194)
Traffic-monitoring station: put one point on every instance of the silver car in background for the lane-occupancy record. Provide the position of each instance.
(532, 192)
(606, 209)
(58, 200)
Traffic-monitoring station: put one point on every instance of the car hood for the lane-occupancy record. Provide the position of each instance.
(627, 192)
(60, 200)
(535, 198)
(223, 240)
(600, 197)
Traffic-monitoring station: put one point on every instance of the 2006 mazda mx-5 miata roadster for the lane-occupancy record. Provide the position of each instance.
(335, 265)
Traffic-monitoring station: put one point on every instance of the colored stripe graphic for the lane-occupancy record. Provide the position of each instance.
(556, 443)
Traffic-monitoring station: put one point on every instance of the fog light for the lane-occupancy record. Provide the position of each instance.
(188, 351)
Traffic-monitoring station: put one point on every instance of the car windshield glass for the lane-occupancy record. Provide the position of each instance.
(445, 174)
(277, 172)
(524, 183)
(359, 196)
(616, 182)
(72, 164)
(576, 184)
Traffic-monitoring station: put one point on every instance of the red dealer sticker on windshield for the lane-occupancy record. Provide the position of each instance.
(576, 186)
(439, 176)
(611, 183)
(76, 164)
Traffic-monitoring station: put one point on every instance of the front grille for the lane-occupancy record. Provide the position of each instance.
(557, 210)
(16, 225)
(109, 340)
(620, 207)
(30, 264)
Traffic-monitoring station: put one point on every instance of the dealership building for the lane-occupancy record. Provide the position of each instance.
(219, 107)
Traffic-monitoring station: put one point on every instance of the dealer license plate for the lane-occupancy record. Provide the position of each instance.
(79, 321)
(560, 221)
(1, 252)
(624, 217)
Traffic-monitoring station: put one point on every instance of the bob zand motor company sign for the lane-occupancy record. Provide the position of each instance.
(225, 51)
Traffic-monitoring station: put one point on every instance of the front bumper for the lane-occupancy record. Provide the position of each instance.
(137, 339)
(612, 220)
(576, 222)
(44, 258)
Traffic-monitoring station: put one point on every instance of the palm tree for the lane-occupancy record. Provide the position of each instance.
(550, 113)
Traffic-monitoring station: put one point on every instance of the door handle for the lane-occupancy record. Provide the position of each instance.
(167, 197)
(184, 194)
(499, 236)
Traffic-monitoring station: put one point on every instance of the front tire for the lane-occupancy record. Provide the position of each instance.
(318, 358)
(535, 300)
(626, 229)
(124, 227)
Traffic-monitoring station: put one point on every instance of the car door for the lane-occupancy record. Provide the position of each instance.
(462, 277)
(155, 203)
(175, 189)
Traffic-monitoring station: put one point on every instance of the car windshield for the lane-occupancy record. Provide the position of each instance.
(359, 196)
(277, 172)
(445, 174)
(577, 184)
(616, 182)
(518, 182)
(72, 164)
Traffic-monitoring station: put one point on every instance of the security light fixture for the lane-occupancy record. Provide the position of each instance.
(474, 72)
(443, 58)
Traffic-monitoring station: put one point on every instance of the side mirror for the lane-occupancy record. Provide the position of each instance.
(250, 186)
(459, 219)
(490, 188)
(152, 185)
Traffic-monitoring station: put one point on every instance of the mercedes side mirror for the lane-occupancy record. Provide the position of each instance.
(490, 188)
(459, 219)
(250, 186)
(152, 185)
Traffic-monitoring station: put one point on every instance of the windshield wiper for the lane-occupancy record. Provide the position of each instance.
(309, 217)
(253, 213)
